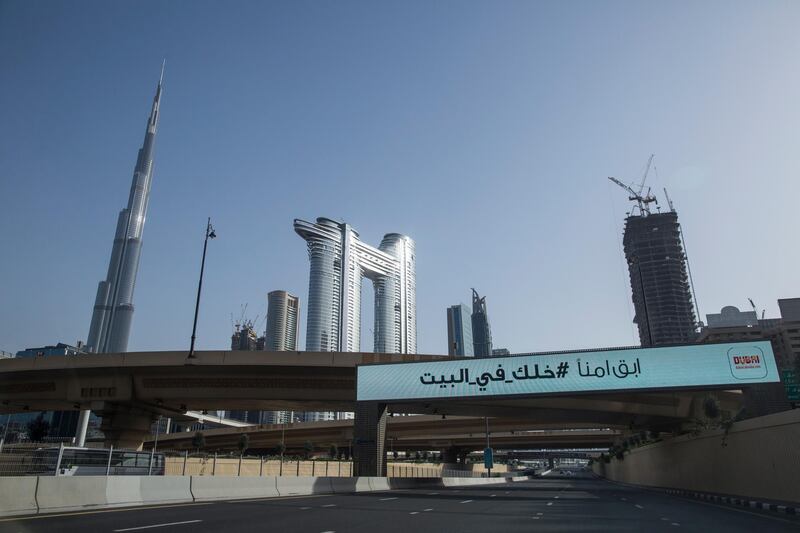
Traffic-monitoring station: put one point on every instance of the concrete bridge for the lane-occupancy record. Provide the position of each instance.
(456, 434)
(131, 390)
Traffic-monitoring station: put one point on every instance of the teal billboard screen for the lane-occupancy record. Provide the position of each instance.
(698, 365)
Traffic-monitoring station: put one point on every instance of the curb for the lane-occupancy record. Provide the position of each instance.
(730, 500)
(752, 504)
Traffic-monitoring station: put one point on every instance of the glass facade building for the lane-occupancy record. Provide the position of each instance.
(282, 324)
(113, 308)
(338, 263)
(459, 331)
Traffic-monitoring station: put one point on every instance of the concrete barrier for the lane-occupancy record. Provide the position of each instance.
(378, 483)
(347, 485)
(296, 486)
(415, 482)
(29, 495)
(209, 488)
(363, 484)
(122, 490)
(18, 495)
(58, 493)
(166, 489)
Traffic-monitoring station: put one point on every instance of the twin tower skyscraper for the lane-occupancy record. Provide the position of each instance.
(339, 260)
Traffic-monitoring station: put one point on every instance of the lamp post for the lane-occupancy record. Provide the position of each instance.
(635, 260)
(209, 235)
(488, 456)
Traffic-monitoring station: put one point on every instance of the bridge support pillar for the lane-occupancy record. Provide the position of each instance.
(369, 439)
(125, 427)
(451, 455)
(551, 463)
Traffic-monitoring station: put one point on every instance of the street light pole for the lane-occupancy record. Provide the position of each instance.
(209, 235)
(283, 444)
(488, 449)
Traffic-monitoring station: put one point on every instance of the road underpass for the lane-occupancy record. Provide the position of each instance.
(578, 502)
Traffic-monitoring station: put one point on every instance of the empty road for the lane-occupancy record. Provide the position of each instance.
(572, 503)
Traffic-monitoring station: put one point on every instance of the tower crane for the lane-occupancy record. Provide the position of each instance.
(636, 195)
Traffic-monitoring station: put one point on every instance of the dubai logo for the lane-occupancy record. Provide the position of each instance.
(747, 362)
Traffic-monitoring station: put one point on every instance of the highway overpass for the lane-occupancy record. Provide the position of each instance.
(131, 390)
(425, 432)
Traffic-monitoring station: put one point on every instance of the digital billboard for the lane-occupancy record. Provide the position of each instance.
(698, 365)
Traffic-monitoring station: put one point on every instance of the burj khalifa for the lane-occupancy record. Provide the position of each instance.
(113, 308)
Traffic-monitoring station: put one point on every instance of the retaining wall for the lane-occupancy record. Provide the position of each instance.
(760, 460)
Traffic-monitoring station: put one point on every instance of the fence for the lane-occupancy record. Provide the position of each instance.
(45, 459)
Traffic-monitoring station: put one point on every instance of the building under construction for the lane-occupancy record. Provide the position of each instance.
(659, 279)
(659, 272)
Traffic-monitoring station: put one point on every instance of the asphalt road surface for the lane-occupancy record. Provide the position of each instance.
(569, 503)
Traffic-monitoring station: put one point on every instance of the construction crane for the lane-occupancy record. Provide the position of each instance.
(642, 200)
(753, 305)
(669, 202)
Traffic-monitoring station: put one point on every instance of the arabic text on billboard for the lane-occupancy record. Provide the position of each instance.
(640, 368)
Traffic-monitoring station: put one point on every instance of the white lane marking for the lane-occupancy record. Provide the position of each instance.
(493, 495)
(387, 499)
(624, 499)
(638, 506)
(330, 505)
(426, 510)
(328, 532)
(535, 517)
(465, 501)
(250, 500)
(433, 494)
(665, 519)
(675, 524)
(557, 497)
(549, 503)
(102, 511)
(157, 525)
(414, 512)
(540, 514)
(305, 508)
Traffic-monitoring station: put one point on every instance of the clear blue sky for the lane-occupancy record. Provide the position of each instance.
(484, 130)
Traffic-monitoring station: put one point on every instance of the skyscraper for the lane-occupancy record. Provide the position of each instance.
(113, 308)
(282, 323)
(282, 332)
(338, 261)
(459, 331)
(481, 332)
(659, 278)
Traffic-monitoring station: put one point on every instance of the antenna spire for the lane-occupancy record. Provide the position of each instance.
(163, 64)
